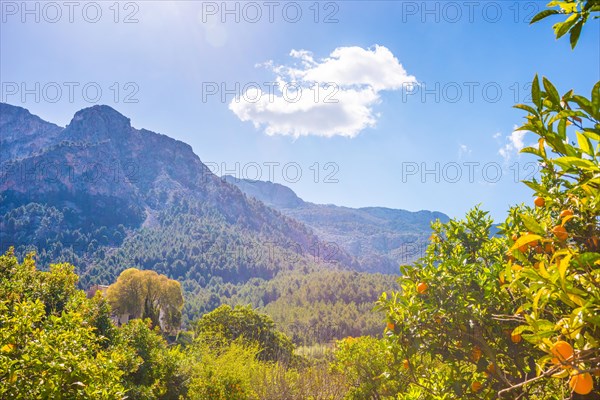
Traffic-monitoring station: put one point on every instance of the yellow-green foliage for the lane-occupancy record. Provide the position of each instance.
(49, 347)
(478, 317)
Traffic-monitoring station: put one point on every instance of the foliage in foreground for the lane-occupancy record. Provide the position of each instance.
(57, 343)
(515, 315)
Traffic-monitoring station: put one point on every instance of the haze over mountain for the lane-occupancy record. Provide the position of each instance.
(380, 238)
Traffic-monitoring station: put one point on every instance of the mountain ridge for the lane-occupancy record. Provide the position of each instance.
(99, 174)
(381, 238)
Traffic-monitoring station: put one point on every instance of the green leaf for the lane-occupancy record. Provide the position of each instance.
(566, 114)
(542, 147)
(590, 5)
(525, 239)
(551, 90)
(567, 163)
(575, 32)
(545, 325)
(583, 103)
(563, 27)
(522, 328)
(535, 186)
(535, 91)
(527, 108)
(531, 150)
(562, 128)
(584, 144)
(568, 7)
(593, 134)
(596, 98)
(531, 224)
(543, 14)
(537, 297)
(562, 269)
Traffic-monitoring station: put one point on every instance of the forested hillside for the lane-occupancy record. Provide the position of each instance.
(380, 238)
(106, 197)
(99, 181)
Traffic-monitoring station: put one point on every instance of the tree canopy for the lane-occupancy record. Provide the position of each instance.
(146, 294)
(242, 322)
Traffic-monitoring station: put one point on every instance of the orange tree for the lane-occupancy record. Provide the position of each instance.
(445, 327)
(515, 315)
(553, 271)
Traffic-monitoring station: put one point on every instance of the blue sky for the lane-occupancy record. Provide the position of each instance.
(420, 93)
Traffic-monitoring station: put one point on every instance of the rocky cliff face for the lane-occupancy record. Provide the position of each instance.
(23, 134)
(272, 194)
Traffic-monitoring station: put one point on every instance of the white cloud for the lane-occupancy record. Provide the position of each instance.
(514, 144)
(336, 95)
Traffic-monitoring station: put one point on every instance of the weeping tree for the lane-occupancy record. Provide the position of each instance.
(147, 294)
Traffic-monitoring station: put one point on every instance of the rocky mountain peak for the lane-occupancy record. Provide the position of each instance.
(98, 122)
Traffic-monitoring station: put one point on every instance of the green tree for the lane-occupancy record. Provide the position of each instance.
(222, 372)
(146, 294)
(50, 344)
(152, 368)
(444, 317)
(505, 316)
(555, 273)
(364, 362)
(245, 323)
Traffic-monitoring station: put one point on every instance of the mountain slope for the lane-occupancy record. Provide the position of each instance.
(111, 196)
(106, 196)
(380, 238)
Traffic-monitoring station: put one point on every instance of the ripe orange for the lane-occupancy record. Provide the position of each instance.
(548, 248)
(562, 351)
(422, 287)
(476, 386)
(390, 326)
(539, 202)
(516, 338)
(514, 237)
(476, 353)
(566, 213)
(560, 232)
(582, 383)
(516, 267)
(491, 368)
(405, 364)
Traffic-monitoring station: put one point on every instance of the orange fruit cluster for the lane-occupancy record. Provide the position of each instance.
(580, 383)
